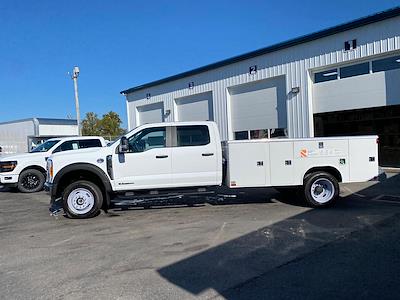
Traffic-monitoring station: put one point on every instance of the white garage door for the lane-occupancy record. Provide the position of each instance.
(151, 113)
(357, 86)
(195, 108)
(259, 105)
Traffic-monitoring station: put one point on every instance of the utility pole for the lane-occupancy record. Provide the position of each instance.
(74, 76)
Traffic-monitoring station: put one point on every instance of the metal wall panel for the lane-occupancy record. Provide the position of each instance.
(58, 130)
(14, 136)
(296, 63)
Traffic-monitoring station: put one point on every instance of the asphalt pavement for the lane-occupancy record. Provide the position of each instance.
(259, 246)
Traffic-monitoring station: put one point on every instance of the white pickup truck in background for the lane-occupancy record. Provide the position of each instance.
(166, 159)
(27, 171)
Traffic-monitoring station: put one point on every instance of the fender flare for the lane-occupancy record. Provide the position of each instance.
(323, 168)
(86, 167)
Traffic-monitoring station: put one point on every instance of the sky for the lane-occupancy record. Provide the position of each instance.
(120, 44)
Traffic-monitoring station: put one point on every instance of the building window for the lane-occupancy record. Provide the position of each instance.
(354, 70)
(386, 64)
(326, 76)
(278, 133)
(241, 135)
(261, 134)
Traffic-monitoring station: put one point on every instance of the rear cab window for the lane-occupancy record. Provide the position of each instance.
(89, 143)
(192, 135)
(78, 144)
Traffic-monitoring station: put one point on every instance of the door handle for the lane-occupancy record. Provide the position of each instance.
(161, 156)
(207, 154)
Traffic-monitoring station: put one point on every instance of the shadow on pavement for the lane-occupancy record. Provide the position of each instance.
(253, 255)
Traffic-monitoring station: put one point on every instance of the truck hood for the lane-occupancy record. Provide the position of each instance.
(23, 156)
(83, 155)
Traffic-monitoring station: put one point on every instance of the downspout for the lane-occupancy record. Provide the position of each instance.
(127, 112)
(36, 127)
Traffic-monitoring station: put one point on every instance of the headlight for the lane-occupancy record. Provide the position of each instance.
(7, 166)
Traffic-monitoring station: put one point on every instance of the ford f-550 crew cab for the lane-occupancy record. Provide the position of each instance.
(165, 159)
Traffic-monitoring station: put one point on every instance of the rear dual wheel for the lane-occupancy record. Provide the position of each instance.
(320, 189)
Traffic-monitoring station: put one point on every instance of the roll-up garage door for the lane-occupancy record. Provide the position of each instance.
(195, 108)
(151, 113)
(360, 99)
(357, 86)
(259, 105)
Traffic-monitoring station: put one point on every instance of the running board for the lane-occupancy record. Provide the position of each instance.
(155, 200)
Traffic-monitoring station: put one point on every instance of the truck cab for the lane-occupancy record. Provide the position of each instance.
(165, 156)
(151, 157)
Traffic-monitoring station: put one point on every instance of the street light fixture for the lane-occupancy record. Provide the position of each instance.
(74, 76)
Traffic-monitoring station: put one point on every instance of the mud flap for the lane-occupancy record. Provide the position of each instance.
(56, 208)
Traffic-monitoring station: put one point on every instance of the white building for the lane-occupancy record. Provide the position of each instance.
(21, 135)
(340, 81)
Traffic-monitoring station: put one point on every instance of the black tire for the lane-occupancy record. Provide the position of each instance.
(85, 200)
(31, 181)
(324, 193)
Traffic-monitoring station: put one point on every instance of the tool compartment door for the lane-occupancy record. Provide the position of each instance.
(281, 160)
(363, 158)
(248, 164)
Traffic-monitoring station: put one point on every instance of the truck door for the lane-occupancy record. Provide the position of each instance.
(194, 156)
(147, 164)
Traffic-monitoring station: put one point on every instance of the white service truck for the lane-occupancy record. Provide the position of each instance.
(170, 159)
(27, 171)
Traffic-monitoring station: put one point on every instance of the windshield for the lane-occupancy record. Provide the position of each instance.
(118, 138)
(114, 141)
(45, 146)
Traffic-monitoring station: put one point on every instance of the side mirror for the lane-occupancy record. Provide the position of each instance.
(123, 145)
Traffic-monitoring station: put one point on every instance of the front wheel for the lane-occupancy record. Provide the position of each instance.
(31, 181)
(82, 199)
(320, 189)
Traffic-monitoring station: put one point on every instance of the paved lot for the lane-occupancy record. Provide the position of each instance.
(269, 247)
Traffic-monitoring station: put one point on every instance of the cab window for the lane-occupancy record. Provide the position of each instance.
(89, 143)
(194, 135)
(78, 144)
(69, 145)
(148, 139)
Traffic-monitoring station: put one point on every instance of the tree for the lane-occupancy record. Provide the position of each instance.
(91, 124)
(110, 125)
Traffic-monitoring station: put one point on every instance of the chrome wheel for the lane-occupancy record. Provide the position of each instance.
(322, 190)
(80, 201)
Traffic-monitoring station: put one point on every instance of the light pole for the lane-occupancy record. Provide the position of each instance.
(74, 76)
